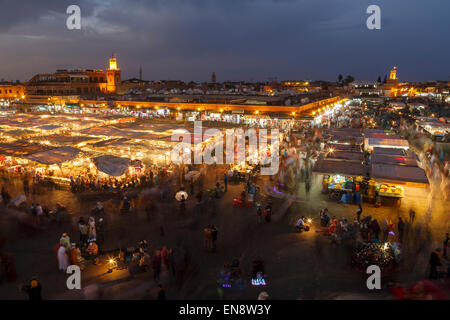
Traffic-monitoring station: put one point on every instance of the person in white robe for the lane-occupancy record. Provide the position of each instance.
(63, 258)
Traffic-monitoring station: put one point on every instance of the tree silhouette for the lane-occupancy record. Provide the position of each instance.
(349, 79)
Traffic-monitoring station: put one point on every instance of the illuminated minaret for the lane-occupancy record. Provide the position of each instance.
(112, 75)
(393, 74)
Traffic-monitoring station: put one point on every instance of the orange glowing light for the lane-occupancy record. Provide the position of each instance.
(113, 64)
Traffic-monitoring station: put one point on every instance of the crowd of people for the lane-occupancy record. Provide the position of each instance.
(34, 181)
(90, 182)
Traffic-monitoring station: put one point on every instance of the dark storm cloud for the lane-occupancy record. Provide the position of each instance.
(238, 39)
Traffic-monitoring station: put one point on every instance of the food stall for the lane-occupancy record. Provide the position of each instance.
(339, 182)
(390, 190)
(341, 178)
(393, 178)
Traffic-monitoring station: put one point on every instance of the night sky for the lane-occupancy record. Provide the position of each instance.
(238, 39)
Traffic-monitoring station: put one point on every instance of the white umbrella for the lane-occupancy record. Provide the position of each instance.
(180, 194)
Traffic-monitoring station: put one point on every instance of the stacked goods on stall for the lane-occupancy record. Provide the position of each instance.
(390, 190)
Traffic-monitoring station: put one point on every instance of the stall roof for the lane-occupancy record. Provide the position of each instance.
(112, 165)
(347, 139)
(368, 131)
(55, 156)
(398, 174)
(345, 147)
(17, 133)
(392, 143)
(389, 151)
(340, 167)
(109, 142)
(382, 136)
(49, 127)
(394, 159)
(21, 148)
(346, 131)
(343, 155)
(103, 131)
(64, 139)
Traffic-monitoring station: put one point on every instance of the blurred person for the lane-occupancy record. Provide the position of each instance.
(63, 258)
(446, 241)
(435, 262)
(33, 289)
(161, 293)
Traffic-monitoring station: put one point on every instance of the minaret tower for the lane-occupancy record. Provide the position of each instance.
(113, 76)
(393, 75)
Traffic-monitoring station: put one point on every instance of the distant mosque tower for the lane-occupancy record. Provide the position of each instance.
(213, 77)
(113, 76)
(393, 79)
(393, 74)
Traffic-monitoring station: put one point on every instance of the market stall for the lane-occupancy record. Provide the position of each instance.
(112, 165)
(398, 174)
(385, 142)
(390, 190)
(55, 156)
(342, 179)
